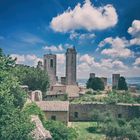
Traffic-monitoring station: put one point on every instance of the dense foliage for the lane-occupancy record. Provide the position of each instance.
(33, 109)
(122, 85)
(95, 83)
(116, 128)
(14, 124)
(116, 97)
(59, 131)
(35, 78)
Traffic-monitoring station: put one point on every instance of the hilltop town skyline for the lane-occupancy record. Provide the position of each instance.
(107, 40)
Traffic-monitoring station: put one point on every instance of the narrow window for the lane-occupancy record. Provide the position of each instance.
(76, 114)
(119, 115)
(53, 117)
(51, 63)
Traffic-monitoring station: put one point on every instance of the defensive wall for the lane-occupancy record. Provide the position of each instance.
(84, 111)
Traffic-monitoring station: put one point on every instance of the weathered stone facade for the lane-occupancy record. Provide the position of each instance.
(83, 112)
(71, 66)
(40, 65)
(104, 79)
(50, 67)
(115, 79)
(55, 110)
(62, 116)
(92, 75)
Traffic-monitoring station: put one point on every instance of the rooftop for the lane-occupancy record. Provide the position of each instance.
(53, 105)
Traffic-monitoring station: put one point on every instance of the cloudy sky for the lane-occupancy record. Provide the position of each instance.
(106, 33)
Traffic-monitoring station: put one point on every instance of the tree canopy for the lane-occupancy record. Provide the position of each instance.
(122, 85)
(95, 83)
(14, 124)
(35, 78)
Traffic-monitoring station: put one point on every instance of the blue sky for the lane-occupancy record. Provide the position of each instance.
(106, 33)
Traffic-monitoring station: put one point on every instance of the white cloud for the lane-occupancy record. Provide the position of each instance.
(82, 36)
(89, 60)
(104, 67)
(54, 48)
(29, 59)
(137, 62)
(86, 17)
(118, 47)
(135, 29)
(29, 38)
(135, 32)
(60, 58)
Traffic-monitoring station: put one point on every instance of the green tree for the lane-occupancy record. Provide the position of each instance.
(59, 131)
(95, 83)
(13, 123)
(122, 85)
(36, 79)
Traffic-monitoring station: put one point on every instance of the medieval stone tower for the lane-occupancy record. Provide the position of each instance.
(115, 79)
(71, 66)
(50, 67)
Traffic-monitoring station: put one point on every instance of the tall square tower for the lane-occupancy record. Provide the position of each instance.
(115, 80)
(50, 67)
(71, 66)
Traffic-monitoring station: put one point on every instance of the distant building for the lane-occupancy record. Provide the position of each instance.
(63, 80)
(71, 66)
(104, 79)
(115, 80)
(40, 65)
(55, 110)
(50, 67)
(133, 89)
(92, 75)
(56, 96)
(72, 91)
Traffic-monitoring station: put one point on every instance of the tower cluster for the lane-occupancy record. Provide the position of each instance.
(50, 65)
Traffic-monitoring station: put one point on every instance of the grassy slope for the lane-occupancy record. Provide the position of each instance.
(84, 134)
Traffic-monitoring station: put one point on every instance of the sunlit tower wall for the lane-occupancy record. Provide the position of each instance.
(115, 80)
(50, 67)
(71, 66)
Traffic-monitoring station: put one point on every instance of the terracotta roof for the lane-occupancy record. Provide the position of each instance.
(50, 93)
(39, 133)
(53, 105)
(72, 90)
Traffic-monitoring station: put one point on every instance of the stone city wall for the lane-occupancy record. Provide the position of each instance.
(84, 111)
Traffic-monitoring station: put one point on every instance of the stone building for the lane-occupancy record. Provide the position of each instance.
(104, 79)
(36, 95)
(55, 110)
(72, 91)
(92, 75)
(63, 80)
(40, 65)
(54, 96)
(50, 67)
(71, 66)
(115, 80)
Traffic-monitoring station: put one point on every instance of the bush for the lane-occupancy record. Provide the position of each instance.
(33, 109)
(59, 131)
